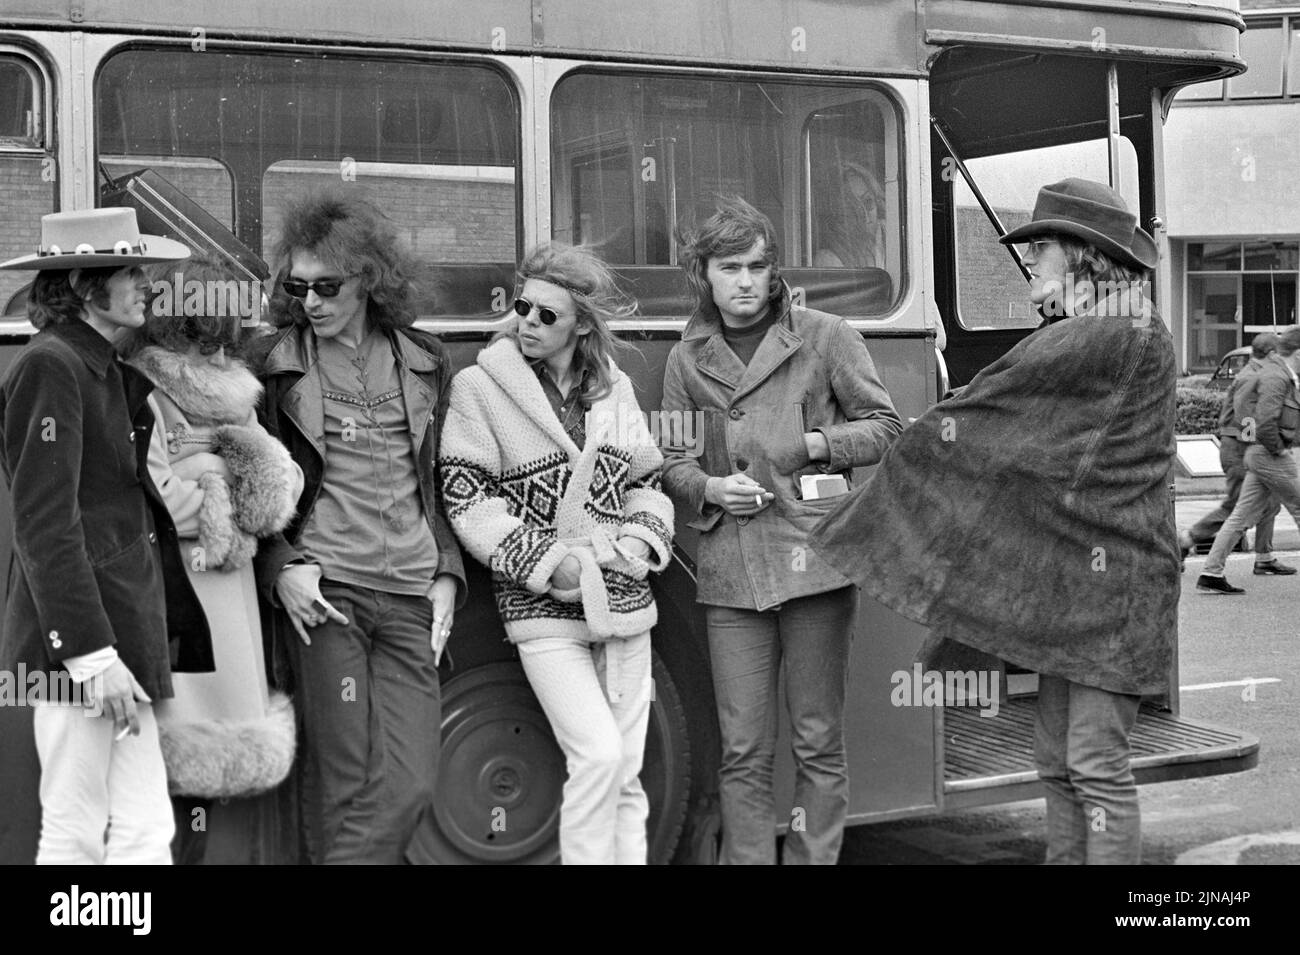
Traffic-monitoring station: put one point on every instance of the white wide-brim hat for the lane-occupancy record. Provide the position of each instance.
(94, 239)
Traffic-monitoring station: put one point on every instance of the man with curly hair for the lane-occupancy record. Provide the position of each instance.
(367, 577)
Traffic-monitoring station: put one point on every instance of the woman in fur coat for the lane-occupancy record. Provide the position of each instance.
(225, 482)
(551, 479)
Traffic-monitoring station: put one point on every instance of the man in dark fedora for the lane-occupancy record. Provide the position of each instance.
(1030, 518)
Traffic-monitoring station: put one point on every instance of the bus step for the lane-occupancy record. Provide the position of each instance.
(990, 759)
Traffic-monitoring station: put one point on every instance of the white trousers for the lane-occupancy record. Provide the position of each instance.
(103, 802)
(597, 697)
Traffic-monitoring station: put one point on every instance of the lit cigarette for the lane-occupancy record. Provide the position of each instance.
(122, 735)
(758, 500)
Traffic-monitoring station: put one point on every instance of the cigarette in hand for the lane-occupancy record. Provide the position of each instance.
(758, 500)
(122, 734)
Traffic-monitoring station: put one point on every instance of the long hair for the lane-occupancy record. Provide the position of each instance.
(597, 300)
(352, 235)
(733, 229)
(1093, 269)
(176, 328)
(54, 300)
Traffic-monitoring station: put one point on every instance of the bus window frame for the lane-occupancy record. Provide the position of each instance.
(43, 147)
(42, 91)
(905, 289)
(893, 151)
(512, 70)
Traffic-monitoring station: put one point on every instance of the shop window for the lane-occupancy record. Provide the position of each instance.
(1262, 49)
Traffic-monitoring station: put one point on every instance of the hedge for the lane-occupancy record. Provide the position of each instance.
(1198, 410)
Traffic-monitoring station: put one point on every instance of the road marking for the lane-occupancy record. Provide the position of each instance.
(1219, 686)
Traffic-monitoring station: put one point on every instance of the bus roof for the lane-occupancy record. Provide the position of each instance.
(892, 37)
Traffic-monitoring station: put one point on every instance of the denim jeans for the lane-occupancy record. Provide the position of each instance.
(808, 638)
(1269, 477)
(597, 698)
(1232, 456)
(1081, 747)
(371, 709)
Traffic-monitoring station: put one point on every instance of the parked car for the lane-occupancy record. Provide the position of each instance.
(1229, 366)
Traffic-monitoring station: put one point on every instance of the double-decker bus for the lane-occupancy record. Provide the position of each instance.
(483, 128)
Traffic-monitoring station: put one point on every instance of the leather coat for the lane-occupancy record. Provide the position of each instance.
(812, 372)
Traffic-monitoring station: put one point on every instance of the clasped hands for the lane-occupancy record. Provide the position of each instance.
(567, 574)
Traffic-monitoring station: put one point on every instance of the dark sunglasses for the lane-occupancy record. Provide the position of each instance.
(210, 346)
(325, 288)
(523, 308)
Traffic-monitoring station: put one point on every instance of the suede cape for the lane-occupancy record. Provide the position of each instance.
(1030, 517)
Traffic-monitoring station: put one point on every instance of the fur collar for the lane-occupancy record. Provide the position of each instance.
(201, 390)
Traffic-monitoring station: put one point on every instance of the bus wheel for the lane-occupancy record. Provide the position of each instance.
(501, 775)
(666, 768)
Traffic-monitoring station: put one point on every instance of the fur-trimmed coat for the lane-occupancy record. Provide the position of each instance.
(522, 496)
(226, 482)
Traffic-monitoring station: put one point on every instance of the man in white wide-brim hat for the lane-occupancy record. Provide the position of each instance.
(86, 605)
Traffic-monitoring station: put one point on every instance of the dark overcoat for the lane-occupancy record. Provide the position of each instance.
(95, 561)
(1030, 517)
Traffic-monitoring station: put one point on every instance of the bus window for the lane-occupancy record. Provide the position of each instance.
(28, 174)
(636, 157)
(990, 288)
(435, 145)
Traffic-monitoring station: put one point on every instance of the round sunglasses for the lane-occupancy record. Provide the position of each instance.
(325, 288)
(523, 308)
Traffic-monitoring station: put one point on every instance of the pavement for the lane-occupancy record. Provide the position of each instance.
(1191, 510)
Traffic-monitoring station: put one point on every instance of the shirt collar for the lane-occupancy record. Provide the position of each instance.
(95, 350)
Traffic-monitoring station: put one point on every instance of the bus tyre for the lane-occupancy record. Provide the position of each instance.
(501, 774)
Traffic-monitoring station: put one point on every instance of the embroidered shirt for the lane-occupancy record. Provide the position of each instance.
(367, 527)
(571, 409)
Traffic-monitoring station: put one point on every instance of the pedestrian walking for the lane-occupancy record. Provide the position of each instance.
(1273, 409)
(1242, 393)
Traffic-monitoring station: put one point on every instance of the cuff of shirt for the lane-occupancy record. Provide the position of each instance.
(90, 665)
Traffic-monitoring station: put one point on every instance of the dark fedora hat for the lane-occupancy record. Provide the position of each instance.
(1094, 213)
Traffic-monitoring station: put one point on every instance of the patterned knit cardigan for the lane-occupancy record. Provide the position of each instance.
(521, 496)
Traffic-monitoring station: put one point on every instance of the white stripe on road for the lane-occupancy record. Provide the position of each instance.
(1219, 686)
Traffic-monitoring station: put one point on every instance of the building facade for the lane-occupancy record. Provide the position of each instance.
(1232, 161)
